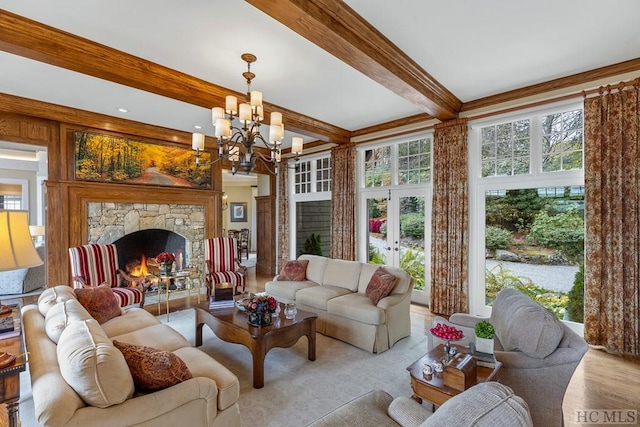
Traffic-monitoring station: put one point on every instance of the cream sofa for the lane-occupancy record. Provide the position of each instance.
(210, 398)
(335, 290)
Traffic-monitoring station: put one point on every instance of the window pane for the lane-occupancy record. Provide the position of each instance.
(414, 158)
(377, 167)
(506, 148)
(562, 141)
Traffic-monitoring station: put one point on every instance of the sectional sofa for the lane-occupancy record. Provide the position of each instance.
(79, 378)
(336, 290)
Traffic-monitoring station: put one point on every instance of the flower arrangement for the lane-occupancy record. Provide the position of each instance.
(260, 303)
(165, 258)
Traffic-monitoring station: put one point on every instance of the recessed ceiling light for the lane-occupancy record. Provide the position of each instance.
(123, 110)
(198, 127)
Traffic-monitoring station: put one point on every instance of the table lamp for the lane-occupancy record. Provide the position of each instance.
(15, 240)
(36, 231)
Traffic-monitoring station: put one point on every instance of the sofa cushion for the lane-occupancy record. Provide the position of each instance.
(158, 336)
(153, 369)
(202, 365)
(60, 315)
(342, 273)
(358, 307)
(380, 285)
(402, 284)
(486, 404)
(100, 302)
(286, 291)
(51, 296)
(522, 324)
(132, 319)
(316, 267)
(317, 296)
(92, 366)
(294, 270)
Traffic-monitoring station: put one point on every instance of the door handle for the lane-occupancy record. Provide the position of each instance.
(388, 248)
(396, 249)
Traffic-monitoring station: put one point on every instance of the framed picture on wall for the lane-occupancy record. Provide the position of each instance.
(238, 212)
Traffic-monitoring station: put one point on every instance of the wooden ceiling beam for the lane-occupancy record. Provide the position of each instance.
(338, 29)
(30, 39)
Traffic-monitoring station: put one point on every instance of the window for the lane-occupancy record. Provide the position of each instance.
(562, 141)
(312, 176)
(505, 149)
(303, 178)
(377, 167)
(323, 174)
(414, 161)
(527, 198)
(11, 202)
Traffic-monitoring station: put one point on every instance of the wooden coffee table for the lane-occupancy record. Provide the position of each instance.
(231, 325)
(432, 389)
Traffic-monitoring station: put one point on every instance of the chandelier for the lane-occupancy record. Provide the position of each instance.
(236, 141)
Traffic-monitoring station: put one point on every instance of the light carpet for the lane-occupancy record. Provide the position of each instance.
(297, 391)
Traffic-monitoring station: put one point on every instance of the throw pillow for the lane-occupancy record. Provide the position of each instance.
(294, 270)
(153, 369)
(380, 285)
(52, 296)
(92, 366)
(100, 302)
(61, 315)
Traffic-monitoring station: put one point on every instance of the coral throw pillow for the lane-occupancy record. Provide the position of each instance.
(294, 270)
(153, 369)
(380, 285)
(100, 302)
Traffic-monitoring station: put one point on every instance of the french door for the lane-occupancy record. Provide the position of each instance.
(397, 229)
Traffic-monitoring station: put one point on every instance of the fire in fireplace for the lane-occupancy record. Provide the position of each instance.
(137, 250)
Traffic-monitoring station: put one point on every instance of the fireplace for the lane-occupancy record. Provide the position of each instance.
(137, 250)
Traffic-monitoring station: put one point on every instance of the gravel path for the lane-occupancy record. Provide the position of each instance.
(554, 277)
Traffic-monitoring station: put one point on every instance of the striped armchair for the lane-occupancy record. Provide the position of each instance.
(94, 265)
(222, 265)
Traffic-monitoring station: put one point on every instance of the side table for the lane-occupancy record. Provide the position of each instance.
(189, 275)
(432, 389)
(10, 376)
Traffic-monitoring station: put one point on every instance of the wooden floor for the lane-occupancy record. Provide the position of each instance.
(601, 381)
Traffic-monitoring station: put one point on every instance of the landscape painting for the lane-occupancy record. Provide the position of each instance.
(108, 158)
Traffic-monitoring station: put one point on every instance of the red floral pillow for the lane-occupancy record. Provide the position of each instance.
(153, 369)
(380, 285)
(100, 302)
(294, 270)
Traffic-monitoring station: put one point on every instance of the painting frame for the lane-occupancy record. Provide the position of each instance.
(113, 158)
(238, 212)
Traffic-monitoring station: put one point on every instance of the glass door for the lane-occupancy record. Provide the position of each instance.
(398, 234)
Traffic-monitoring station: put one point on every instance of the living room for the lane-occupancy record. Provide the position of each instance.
(49, 122)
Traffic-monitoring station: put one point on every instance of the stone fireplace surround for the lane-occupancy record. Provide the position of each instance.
(108, 222)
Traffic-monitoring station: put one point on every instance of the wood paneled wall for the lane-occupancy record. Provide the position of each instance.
(66, 200)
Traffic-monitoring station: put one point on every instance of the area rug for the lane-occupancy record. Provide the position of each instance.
(298, 391)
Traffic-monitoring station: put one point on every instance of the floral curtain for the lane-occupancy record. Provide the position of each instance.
(612, 216)
(450, 219)
(283, 214)
(343, 202)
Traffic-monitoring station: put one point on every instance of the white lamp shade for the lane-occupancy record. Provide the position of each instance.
(296, 145)
(217, 113)
(276, 118)
(245, 112)
(223, 128)
(275, 132)
(231, 104)
(36, 230)
(197, 141)
(15, 240)
(256, 98)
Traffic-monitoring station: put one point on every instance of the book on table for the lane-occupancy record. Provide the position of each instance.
(10, 323)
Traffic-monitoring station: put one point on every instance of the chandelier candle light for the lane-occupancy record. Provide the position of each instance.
(236, 142)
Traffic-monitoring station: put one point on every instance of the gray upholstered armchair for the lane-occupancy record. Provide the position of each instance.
(487, 404)
(539, 353)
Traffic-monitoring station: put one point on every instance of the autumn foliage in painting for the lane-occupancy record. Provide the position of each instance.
(109, 158)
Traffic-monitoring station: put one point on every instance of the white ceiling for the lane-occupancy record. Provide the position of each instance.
(474, 48)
